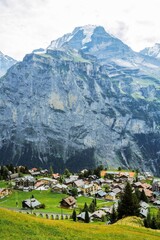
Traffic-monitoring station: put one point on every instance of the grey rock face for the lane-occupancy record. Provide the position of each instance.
(5, 63)
(66, 109)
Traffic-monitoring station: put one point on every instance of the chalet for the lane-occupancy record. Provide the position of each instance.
(123, 177)
(148, 193)
(148, 175)
(4, 192)
(35, 174)
(137, 185)
(146, 186)
(31, 203)
(78, 183)
(48, 181)
(157, 203)
(117, 191)
(56, 176)
(100, 194)
(97, 215)
(81, 216)
(107, 210)
(111, 196)
(13, 176)
(59, 188)
(44, 172)
(25, 182)
(143, 208)
(69, 202)
(89, 189)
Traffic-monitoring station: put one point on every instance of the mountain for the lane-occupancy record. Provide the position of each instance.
(74, 105)
(152, 51)
(94, 40)
(5, 63)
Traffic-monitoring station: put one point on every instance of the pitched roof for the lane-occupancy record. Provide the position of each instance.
(98, 214)
(69, 200)
(116, 190)
(82, 215)
(79, 183)
(144, 212)
(32, 202)
(144, 204)
(101, 193)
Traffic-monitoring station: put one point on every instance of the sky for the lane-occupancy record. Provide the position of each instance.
(26, 25)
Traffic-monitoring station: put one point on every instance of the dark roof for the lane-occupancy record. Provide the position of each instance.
(69, 200)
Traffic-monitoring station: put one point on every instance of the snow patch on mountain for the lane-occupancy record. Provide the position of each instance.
(152, 51)
(88, 32)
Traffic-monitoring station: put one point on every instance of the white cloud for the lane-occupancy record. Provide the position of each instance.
(30, 24)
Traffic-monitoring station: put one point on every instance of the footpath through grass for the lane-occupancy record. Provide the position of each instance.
(23, 227)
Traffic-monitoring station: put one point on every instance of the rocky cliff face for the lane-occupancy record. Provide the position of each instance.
(5, 63)
(66, 107)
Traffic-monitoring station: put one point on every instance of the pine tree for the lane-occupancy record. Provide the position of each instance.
(87, 219)
(113, 217)
(92, 207)
(74, 215)
(128, 204)
(85, 208)
(143, 197)
(153, 223)
(147, 220)
(158, 219)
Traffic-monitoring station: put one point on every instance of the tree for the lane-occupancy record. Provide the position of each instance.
(51, 170)
(107, 188)
(128, 204)
(153, 223)
(67, 173)
(74, 192)
(87, 219)
(92, 206)
(143, 197)
(147, 220)
(74, 215)
(98, 170)
(113, 217)
(85, 208)
(158, 219)
(138, 193)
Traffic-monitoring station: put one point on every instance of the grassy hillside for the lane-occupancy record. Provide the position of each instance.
(24, 227)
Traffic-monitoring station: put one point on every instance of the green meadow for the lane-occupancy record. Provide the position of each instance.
(25, 227)
(50, 199)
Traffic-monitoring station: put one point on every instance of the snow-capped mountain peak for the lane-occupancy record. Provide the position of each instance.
(152, 51)
(78, 38)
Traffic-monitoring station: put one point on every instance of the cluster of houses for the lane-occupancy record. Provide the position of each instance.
(108, 187)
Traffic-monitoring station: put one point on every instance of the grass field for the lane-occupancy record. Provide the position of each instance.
(50, 199)
(24, 227)
(3, 184)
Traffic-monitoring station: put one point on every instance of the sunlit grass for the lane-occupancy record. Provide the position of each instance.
(20, 226)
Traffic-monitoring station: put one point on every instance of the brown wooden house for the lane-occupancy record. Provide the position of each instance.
(69, 202)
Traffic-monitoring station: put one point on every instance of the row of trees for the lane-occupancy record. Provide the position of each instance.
(86, 209)
(7, 169)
